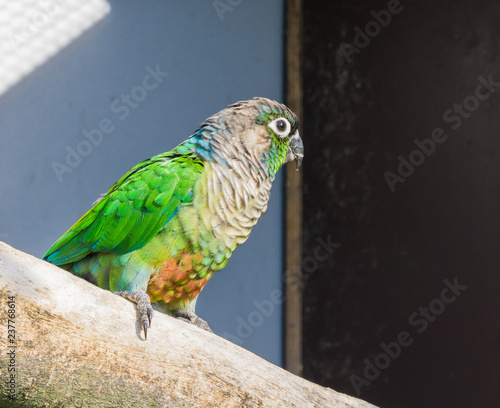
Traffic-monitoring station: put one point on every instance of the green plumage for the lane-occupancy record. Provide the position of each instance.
(133, 210)
(174, 219)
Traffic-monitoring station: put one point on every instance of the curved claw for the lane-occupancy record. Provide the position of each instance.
(194, 319)
(146, 322)
(144, 307)
(150, 316)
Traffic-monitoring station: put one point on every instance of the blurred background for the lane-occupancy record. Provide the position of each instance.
(400, 242)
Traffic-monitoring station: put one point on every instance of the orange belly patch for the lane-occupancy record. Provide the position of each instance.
(176, 282)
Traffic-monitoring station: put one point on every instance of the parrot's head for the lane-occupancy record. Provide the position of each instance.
(260, 130)
(282, 130)
(268, 130)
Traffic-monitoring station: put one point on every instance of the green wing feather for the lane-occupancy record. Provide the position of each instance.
(133, 211)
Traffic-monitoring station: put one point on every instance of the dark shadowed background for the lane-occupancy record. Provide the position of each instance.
(362, 110)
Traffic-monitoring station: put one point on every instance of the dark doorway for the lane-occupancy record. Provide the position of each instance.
(402, 170)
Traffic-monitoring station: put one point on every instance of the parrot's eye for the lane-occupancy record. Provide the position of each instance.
(281, 127)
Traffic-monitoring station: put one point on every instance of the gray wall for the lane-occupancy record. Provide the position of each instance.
(211, 62)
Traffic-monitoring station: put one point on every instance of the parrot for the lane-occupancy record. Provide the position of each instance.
(162, 230)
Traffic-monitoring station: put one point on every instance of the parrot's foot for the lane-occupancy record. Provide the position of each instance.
(143, 307)
(192, 318)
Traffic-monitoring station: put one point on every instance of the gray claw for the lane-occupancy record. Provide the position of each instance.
(150, 316)
(143, 307)
(193, 318)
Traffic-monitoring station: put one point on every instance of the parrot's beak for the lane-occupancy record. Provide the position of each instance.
(296, 151)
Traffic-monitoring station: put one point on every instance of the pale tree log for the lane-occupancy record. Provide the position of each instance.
(81, 346)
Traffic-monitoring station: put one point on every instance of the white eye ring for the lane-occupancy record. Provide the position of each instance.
(280, 126)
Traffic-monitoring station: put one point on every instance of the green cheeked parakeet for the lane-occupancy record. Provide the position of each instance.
(162, 230)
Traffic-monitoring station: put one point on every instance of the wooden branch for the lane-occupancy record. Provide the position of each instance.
(80, 346)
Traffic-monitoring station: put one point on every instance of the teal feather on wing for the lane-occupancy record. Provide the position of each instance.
(133, 211)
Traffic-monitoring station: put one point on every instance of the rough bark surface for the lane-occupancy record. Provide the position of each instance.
(76, 346)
